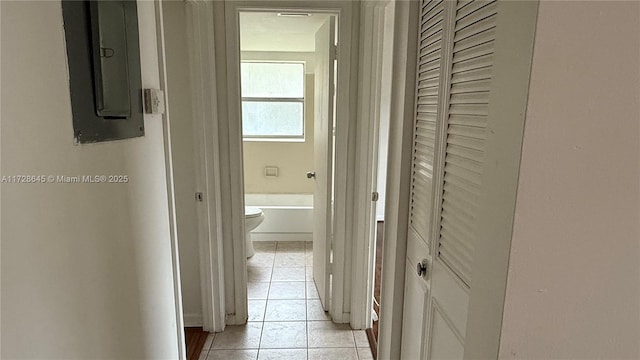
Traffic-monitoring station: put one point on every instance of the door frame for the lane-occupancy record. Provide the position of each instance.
(168, 159)
(398, 178)
(372, 28)
(215, 55)
(202, 58)
(511, 73)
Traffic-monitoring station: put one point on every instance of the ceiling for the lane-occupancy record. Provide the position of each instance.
(266, 31)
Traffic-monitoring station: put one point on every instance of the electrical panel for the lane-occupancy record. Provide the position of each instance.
(103, 51)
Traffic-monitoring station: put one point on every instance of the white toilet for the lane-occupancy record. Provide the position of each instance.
(253, 217)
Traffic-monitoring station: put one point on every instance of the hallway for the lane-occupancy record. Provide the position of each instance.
(286, 320)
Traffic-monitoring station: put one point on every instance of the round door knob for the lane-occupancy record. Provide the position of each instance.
(421, 268)
(311, 174)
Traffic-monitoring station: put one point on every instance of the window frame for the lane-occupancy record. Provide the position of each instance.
(302, 100)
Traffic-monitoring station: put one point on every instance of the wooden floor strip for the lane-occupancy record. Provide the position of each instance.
(195, 338)
(372, 334)
(373, 343)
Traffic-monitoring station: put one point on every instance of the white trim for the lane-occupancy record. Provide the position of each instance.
(277, 139)
(175, 262)
(369, 89)
(227, 45)
(345, 143)
(227, 40)
(192, 320)
(202, 59)
(398, 178)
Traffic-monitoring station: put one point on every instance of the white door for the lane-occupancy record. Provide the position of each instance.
(323, 159)
(466, 104)
(455, 60)
(420, 237)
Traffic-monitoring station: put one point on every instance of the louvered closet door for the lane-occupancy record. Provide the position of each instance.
(420, 237)
(427, 89)
(468, 111)
(469, 35)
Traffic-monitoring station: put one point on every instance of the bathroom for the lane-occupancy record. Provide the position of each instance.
(276, 158)
(277, 83)
(277, 122)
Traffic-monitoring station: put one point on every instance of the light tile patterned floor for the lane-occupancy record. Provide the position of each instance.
(286, 319)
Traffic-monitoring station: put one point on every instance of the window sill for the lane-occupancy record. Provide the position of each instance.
(286, 140)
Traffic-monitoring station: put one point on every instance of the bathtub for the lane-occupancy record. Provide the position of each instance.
(287, 217)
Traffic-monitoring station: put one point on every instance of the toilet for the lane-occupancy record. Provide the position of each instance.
(253, 216)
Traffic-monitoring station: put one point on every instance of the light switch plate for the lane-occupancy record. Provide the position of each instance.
(153, 101)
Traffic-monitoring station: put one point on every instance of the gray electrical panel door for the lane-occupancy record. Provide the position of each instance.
(103, 50)
(110, 58)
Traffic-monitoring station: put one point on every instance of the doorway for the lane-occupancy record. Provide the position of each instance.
(287, 112)
(300, 327)
(223, 266)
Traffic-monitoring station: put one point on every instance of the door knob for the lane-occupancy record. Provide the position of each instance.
(421, 268)
(311, 174)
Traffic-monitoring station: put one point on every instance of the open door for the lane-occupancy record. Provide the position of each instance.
(323, 157)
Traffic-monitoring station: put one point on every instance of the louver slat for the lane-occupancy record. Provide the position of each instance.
(427, 92)
(471, 75)
(426, 117)
(476, 39)
(462, 188)
(474, 17)
(472, 64)
(470, 98)
(463, 203)
(428, 74)
(472, 60)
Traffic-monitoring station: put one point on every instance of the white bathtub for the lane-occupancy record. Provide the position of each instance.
(287, 217)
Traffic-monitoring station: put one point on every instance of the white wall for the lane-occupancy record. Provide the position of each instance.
(86, 268)
(573, 284)
(266, 31)
(182, 139)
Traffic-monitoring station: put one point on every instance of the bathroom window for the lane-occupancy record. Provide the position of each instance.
(272, 100)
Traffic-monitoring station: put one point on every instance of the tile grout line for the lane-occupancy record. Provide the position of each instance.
(273, 266)
(266, 303)
(264, 312)
(210, 345)
(306, 298)
(355, 344)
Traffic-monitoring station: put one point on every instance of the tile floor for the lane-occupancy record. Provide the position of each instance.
(286, 320)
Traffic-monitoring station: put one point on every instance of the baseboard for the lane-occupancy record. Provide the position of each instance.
(281, 236)
(192, 320)
(233, 320)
